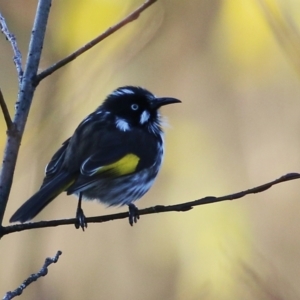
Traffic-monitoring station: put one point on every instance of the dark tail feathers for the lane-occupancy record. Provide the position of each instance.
(42, 198)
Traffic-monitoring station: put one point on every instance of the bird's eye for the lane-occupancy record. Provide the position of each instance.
(134, 107)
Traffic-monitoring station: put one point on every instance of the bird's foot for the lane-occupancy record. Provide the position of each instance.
(133, 214)
(80, 219)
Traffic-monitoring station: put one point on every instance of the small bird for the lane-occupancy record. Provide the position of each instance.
(113, 156)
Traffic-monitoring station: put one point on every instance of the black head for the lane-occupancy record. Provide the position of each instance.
(135, 106)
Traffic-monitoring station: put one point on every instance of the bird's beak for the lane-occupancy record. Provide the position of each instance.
(158, 102)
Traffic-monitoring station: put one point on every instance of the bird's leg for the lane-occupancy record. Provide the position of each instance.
(133, 214)
(81, 221)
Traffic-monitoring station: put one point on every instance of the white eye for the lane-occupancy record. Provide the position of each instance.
(134, 107)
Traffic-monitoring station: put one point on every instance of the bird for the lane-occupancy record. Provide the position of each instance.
(113, 156)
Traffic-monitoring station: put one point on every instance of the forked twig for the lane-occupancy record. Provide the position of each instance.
(26, 92)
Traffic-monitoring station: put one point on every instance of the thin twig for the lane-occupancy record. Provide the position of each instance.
(33, 277)
(5, 112)
(25, 96)
(17, 53)
(131, 17)
(181, 207)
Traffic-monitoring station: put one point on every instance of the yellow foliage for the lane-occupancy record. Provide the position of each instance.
(84, 22)
(246, 32)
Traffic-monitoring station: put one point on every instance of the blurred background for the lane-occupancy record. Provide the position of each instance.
(235, 65)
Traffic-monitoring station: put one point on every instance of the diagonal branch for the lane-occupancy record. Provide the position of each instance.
(181, 207)
(131, 17)
(33, 277)
(17, 53)
(5, 111)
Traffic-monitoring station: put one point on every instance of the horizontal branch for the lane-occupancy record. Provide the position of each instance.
(181, 207)
(131, 17)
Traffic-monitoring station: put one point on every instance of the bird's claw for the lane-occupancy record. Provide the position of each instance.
(80, 219)
(133, 214)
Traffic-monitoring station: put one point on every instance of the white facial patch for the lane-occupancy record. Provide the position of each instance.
(122, 124)
(144, 117)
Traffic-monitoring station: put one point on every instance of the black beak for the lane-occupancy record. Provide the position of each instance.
(158, 102)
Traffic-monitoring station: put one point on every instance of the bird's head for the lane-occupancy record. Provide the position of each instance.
(135, 106)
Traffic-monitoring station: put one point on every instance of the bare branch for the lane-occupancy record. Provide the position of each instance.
(17, 53)
(131, 17)
(5, 111)
(25, 96)
(28, 85)
(33, 277)
(182, 207)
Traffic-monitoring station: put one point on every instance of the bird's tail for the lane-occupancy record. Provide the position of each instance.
(43, 197)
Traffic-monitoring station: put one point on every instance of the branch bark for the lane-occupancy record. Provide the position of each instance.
(33, 277)
(181, 207)
(25, 96)
(131, 17)
(17, 53)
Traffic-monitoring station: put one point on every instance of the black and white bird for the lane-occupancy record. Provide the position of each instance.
(113, 156)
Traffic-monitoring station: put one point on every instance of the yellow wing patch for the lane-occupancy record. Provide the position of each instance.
(126, 165)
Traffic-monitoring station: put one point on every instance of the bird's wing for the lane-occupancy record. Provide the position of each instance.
(112, 161)
(55, 164)
(118, 154)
